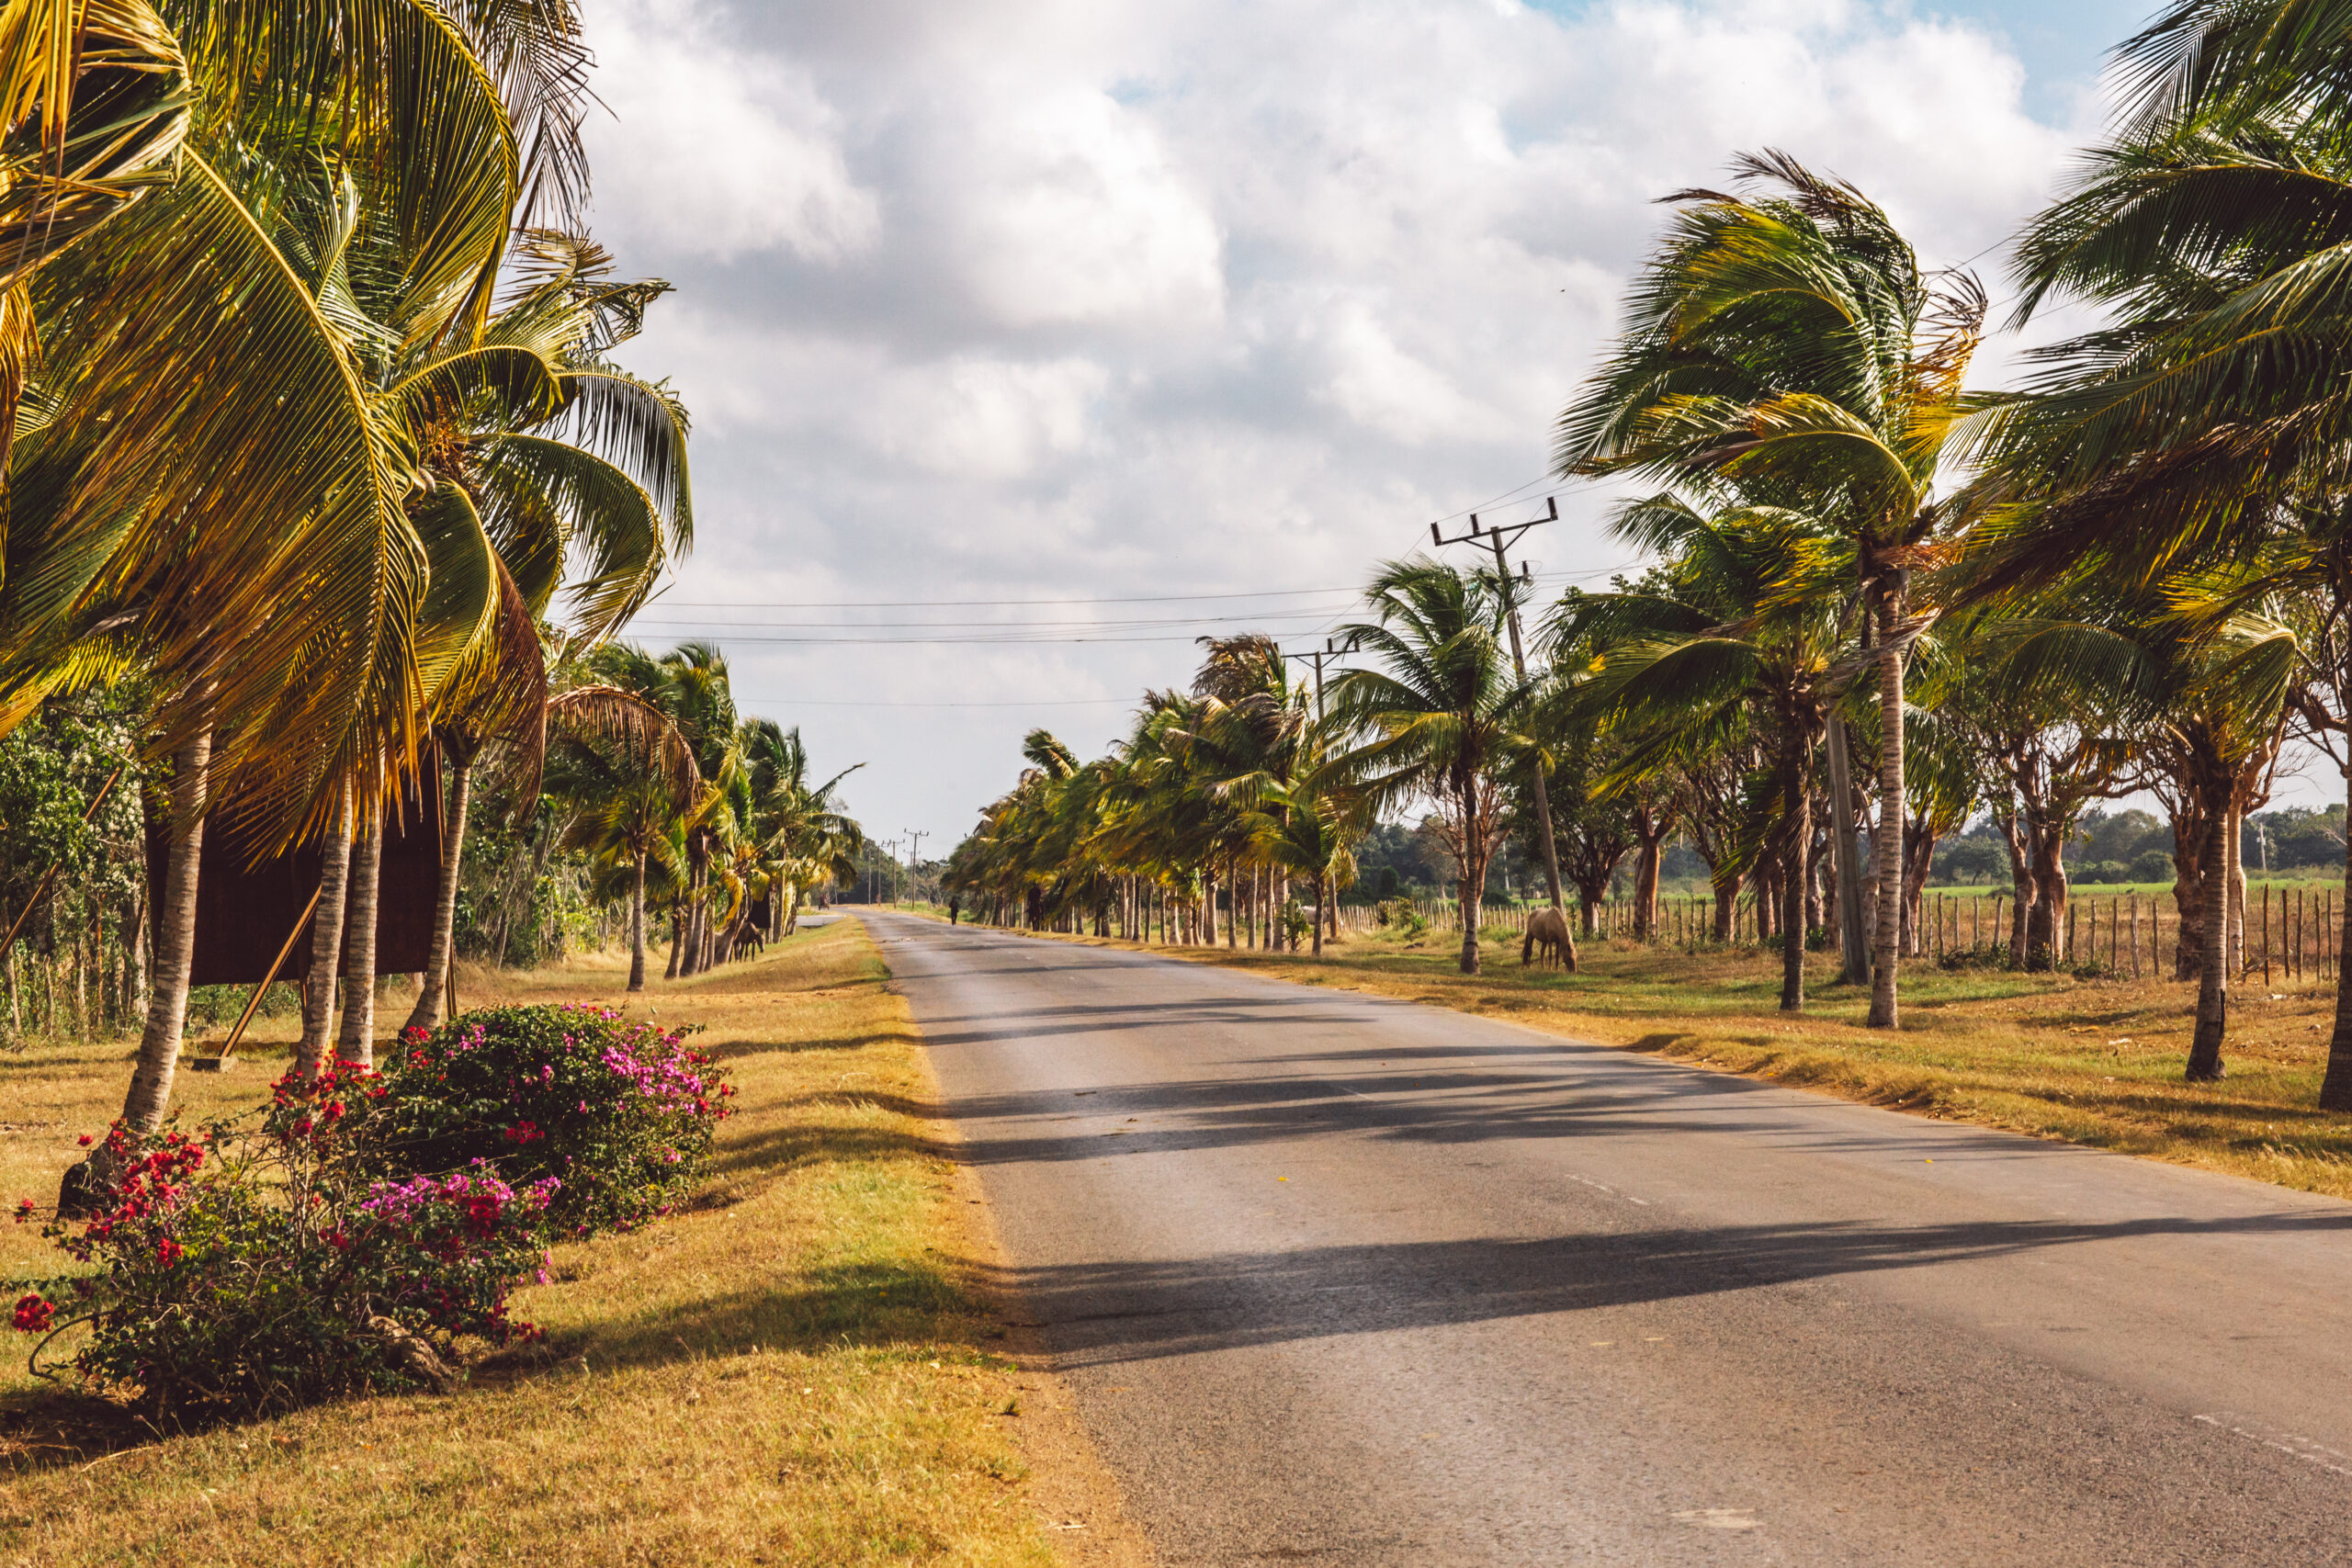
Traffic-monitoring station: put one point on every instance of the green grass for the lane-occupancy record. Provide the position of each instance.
(797, 1370)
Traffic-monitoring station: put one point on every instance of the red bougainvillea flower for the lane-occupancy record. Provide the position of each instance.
(85, 1140)
(168, 1252)
(33, 1314)
(24, 1210)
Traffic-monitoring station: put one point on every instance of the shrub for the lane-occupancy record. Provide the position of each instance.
(2153, 867)
(622, 1114)
(255, 1268)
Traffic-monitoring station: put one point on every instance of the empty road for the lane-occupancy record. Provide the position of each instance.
(1342, 1279)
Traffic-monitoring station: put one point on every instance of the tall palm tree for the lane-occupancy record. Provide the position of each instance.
(1442, 718)
(1312, 829)
(1788, 350)
(205, 473)
(2201, 433)
(798, 824)
(1734, 634)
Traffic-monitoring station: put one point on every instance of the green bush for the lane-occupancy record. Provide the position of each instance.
(621, 1113)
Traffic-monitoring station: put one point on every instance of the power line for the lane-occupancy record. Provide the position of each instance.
(1003, 604)
(984, 604)
(1350, 596)
(848, 702)
(1105, 624)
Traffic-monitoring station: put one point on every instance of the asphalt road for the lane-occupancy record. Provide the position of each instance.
(1343, 1279)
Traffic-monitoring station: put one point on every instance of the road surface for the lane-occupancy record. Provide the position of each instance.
(1342, 1279)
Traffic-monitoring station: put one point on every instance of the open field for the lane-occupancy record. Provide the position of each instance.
(2096, 1062)
(796, 1370)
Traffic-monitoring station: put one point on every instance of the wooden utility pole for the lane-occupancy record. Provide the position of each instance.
(1498, 537)
(915, 860)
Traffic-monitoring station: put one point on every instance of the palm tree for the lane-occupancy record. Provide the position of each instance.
(198, 470)
(800, 828)
(1788, 351)
(2194, 444)
(1445, 715)
(1734, 634)
(1312, 829)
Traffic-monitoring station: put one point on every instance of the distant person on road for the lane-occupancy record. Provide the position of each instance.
(952, 905)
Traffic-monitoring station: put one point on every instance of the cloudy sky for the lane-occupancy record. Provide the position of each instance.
(1027, 339)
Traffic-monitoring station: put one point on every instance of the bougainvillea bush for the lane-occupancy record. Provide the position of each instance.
(255, 1267)
(621, 1113)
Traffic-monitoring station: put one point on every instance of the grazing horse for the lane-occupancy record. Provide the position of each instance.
(1548, 928)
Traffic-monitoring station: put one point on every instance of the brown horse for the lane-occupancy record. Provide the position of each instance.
(1548, 928)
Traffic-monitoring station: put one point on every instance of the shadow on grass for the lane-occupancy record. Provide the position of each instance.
(915, 1303)
(775, 1153)
(734, 1049)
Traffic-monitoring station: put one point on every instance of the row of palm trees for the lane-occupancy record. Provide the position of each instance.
(1228, 785)
(1253, 782)
(719, 820)
(313, 424)
(1880, 602)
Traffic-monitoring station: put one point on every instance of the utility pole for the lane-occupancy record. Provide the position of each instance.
(1315, 657)
(915, 860)
(1497, 536)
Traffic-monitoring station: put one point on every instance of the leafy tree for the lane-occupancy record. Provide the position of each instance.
(1788, 351)
(1734, 635)
(1444, 715)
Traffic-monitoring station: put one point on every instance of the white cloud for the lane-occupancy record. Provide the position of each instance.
(719, 153)
(1067, 210)
(1122, 298)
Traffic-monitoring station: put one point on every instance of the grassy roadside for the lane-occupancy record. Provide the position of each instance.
(798, 1371)
(2095, 1062)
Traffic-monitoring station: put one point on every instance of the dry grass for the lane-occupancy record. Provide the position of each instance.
(2095, 1062)
(797, 1371)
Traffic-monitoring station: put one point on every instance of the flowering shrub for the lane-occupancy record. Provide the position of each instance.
(622, 1114)
(256, 1269)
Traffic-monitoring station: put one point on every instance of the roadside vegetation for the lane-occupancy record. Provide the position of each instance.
(793, 1369)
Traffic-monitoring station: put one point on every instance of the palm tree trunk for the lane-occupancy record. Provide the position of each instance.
(85, 1188)
(355, 1042)
(1853, 938)
(637, 926)
(1726, 888)
(442, 953)
(1799, 828)
(326, 938)
(159, 1043)
(1474, 879)
(1646, 873)
(2335, 1089)
(2214, 977)
(2236, 885)
(677, 937)
(1319, 901)
(1886, 945)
